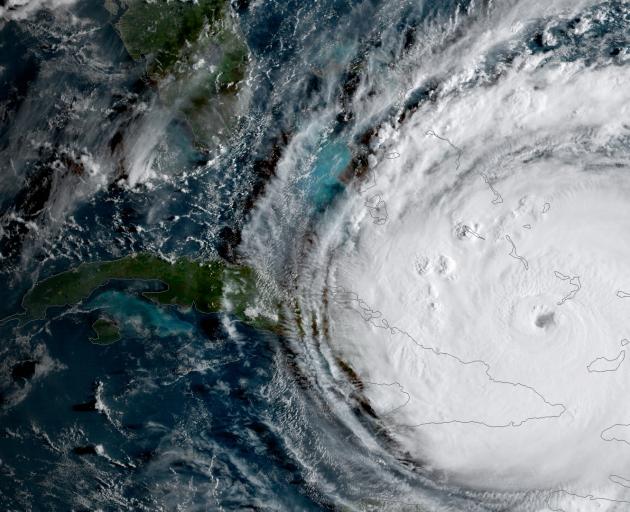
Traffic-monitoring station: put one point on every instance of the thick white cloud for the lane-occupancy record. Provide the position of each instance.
(21, 9)
(486, 315)
(490, 296)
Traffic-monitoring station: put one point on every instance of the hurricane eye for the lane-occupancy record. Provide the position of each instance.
(545, 320)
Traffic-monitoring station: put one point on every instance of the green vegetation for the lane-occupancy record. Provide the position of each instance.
(234, 62)
(229, 72)
(208, 286)
(107, 331)
(188, 283)
(162, 29)
(241, 287)
(165, 31)
(194, 55)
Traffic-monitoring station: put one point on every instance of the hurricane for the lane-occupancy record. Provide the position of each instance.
(462, 301)
(333, 255)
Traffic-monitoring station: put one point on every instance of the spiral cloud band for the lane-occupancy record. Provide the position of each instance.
(477, 278)
(490, 305)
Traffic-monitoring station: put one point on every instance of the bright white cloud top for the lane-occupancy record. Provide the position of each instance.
(474, 278)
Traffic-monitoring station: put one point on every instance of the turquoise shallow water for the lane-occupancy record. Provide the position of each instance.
(332, 159)
(135, 314)
(202, 412)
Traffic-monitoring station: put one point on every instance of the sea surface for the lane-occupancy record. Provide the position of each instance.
(192, 411)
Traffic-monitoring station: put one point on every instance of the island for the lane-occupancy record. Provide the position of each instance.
(209, 287)
(106, 330)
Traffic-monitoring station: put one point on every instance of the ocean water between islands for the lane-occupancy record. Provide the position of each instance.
(431, 199)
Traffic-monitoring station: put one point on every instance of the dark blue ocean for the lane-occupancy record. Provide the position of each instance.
(187, 411)
(192, 411)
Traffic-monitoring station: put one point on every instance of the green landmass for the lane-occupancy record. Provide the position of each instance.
(194, 54)
(106, 330)
(233, 63)
(167, 31)
(209, 287)
(188, 283)
(162, 29)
